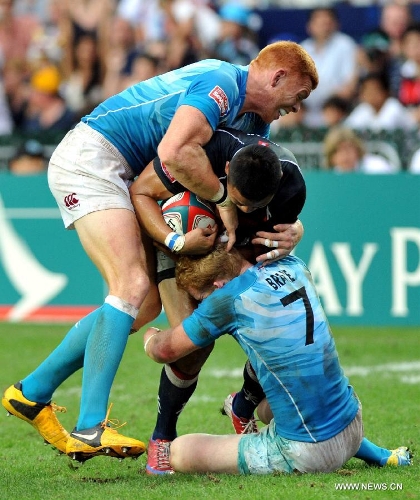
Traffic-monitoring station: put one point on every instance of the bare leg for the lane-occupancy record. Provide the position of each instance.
(112, 240)
(152, 305)
(264, 412)
(205, 453)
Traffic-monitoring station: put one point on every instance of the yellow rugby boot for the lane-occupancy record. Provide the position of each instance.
(102, 440)
(39, 415)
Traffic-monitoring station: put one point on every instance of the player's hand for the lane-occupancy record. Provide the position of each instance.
(229, 216)
(280, 243)
(199, 241)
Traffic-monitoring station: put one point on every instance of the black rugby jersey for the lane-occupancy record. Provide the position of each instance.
(288, 201)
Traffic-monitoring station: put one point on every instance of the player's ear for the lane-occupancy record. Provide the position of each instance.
(220, 283)
(277, 76)
(227, 168)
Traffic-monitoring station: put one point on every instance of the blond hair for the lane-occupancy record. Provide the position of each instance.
(200, 272)
(289, 54)
(337, 136)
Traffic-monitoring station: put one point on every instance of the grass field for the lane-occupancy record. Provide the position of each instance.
(383, 365)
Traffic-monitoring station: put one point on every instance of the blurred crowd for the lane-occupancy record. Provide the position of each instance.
(60, 58)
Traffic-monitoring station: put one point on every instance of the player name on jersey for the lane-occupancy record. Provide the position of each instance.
(278, 279)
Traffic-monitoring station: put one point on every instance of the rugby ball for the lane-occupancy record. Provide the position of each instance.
(185, 212)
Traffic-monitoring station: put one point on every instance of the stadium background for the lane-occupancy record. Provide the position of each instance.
(356, 21)
(362, 233)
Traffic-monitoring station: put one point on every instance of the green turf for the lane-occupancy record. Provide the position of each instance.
(388, 387)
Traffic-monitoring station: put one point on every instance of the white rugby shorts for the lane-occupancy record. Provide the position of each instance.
(87, 173)
(267, 452)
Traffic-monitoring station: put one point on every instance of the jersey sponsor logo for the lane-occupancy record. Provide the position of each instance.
(71, 201)
(218, 95)
(167, 173)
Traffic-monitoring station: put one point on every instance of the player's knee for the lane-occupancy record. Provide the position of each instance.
(264, 412)
(137, 288)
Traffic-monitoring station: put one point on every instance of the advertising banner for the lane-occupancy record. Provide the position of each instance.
(361, 243)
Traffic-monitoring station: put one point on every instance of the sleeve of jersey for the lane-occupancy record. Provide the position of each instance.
(167, 179)
(293, 196)
(210, 320)
(214, 94)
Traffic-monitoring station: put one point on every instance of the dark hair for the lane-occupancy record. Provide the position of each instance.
(255, 171)
(376, 76)
(329, 10)
(413, 27)
(337, 102)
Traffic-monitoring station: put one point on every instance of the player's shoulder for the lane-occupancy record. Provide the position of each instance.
(289, 163)
(235, 288)
(283, 153)
(202, 65)
(289, 261)
(229, 135)
(223, 71)
(207, 73)
(238, 138)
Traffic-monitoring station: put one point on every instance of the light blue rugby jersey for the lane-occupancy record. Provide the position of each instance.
(136, 119)
(274, 313)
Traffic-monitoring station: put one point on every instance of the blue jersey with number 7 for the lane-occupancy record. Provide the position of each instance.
(275, 314)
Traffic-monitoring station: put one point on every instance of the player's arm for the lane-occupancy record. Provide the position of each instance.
(168, 346)
(181, 150)
(145, 193)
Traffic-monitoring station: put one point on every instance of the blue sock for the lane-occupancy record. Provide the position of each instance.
(372, 454)
(104, 349)
(65, 360)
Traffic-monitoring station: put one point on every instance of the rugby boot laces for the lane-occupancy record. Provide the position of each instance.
(158, 457)
(103, 439)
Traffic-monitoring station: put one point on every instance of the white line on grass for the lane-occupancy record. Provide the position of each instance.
(362, 371)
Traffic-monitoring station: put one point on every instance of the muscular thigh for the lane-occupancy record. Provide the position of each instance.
(111, 238)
